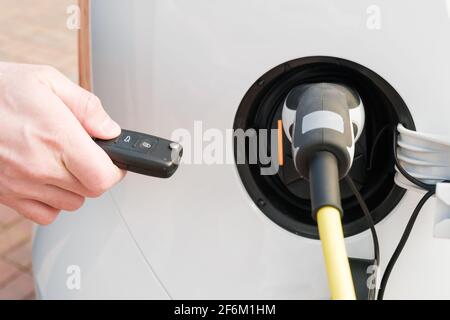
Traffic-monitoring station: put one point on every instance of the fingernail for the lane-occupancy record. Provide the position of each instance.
(111, 128)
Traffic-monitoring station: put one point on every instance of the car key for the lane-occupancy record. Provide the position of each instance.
(142, 153)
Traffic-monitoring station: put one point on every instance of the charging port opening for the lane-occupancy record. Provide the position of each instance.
(284, 197)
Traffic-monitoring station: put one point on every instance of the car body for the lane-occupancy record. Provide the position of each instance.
(164, 65)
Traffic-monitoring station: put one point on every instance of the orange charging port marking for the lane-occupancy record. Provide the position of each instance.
(280, 143)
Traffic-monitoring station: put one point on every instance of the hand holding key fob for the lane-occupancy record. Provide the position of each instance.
(143, 153)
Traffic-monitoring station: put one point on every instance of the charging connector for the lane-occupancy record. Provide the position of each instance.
(323, 144)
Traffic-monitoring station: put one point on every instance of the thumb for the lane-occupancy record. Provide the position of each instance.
(86, 106)
(89, 111)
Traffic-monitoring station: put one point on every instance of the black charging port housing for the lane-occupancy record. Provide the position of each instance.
(285, 197)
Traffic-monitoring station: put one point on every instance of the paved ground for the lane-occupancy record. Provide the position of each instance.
(15, 256)
(30, 32)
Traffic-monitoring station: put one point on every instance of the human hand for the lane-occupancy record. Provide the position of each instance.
(48, 160)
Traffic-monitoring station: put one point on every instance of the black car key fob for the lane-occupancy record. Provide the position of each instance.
(143, 153)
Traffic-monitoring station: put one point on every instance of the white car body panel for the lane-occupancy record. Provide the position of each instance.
(161, 65)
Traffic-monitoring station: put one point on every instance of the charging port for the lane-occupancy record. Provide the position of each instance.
(285, 197)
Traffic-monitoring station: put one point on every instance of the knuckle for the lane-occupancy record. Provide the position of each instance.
(75, 203)
(40, 174)
(95, 193)
(80, 203)
(92, 103)
(48, 218)
(44, 73)
(46, 69)
(40, 217)
(98, 190)
(99, 185)
(15, 188)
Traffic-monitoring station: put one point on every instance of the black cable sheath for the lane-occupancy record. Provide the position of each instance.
(324, 182)
(431, 189)
(366, 212)
(376, 244)
(401, 244)
(375, 145)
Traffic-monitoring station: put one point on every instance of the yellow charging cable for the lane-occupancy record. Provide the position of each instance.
(336, 260)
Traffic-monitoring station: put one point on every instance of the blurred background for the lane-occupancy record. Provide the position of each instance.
(31, 31)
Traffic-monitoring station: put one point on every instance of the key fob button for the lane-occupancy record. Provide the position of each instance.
(145, 144)
(127, 141)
